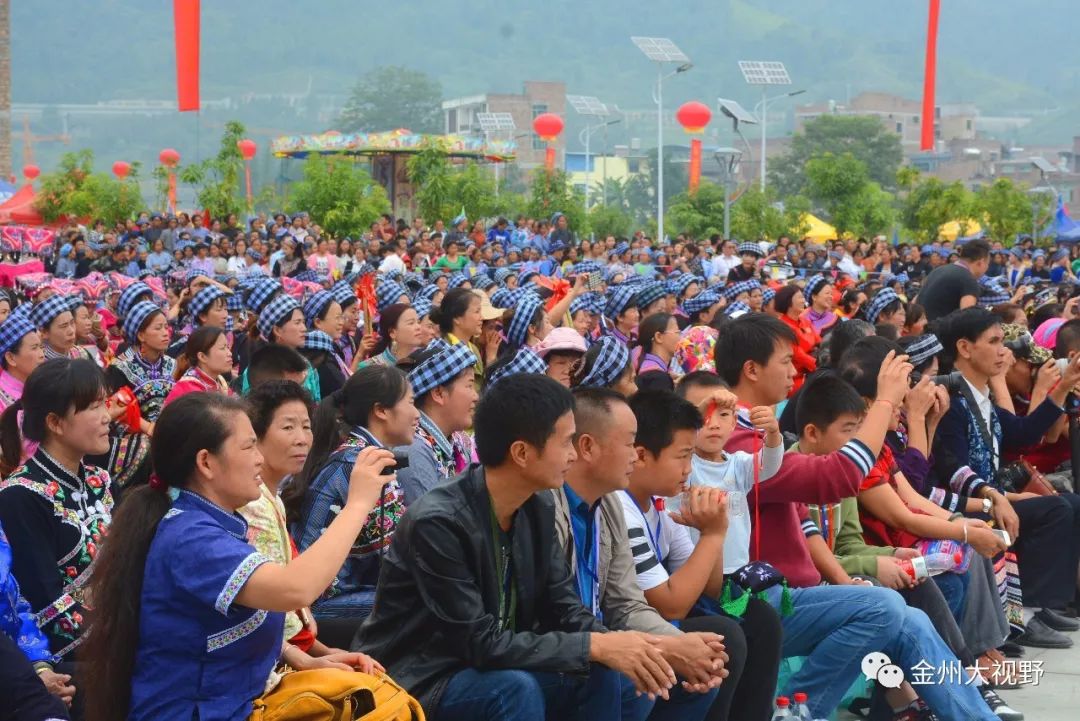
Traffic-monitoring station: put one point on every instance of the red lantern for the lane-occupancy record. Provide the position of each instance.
(31, 171)
(121, 169)
(247, 148)
(169, 157)
(548, 126)
(693, 116)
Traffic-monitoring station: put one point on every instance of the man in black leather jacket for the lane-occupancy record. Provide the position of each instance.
(476, 612)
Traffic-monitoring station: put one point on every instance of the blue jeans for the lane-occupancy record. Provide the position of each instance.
(513, 695)
(834, 627)
(680, 706)
(954, 588)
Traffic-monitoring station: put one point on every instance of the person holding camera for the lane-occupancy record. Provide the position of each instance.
(967, 451)
(373, 408)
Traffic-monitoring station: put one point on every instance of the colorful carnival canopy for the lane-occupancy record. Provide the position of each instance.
(391, 142)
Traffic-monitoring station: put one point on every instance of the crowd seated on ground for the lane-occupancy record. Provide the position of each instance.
(519, 474)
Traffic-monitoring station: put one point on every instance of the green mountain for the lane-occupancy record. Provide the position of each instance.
(1007, 57)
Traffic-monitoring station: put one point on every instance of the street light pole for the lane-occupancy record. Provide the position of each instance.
(764, 132)
(587, 132)
(660, 155)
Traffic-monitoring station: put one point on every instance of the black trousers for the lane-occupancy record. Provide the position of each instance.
(25, 697)
(1048, 549)
(753, 647)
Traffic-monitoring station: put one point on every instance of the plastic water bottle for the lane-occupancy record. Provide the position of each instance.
(922, 567)
(801, 711)
(782, 711)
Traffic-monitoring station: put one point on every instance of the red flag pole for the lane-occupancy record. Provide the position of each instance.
(930, 78)
(186, 39)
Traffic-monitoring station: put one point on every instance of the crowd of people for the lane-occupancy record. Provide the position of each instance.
(526, 475)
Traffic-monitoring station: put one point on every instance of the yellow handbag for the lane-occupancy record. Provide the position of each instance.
(331, 694)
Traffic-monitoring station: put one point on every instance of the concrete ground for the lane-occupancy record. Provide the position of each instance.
(1057, 695)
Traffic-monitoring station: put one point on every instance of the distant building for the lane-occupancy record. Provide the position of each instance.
(902, 116)
(459, 116)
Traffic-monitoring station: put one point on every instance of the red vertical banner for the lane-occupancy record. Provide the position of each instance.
(186, 32)
(172, 190)
(695, 164)
(247, 184)
(549, 158)
(930, 77)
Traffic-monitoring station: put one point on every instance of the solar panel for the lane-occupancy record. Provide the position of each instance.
(588, 105)
(736, 112)
(662, 50)
(1043, 164)
(764, 72)
(495, 122)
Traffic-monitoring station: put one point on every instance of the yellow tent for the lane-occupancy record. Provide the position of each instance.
(818, 230)
(953, 230)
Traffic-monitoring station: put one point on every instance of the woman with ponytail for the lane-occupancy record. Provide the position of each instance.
(56, 509)
(190, 617)
(374, 408)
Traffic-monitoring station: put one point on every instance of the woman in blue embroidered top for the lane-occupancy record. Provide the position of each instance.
(374, 408)
(55, 509)
(191, 616)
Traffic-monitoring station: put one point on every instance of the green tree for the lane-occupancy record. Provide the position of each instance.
(633, 196)
(699, 215)
(390, 97)
(854, 203)
(610, 221)
(551, 193)
(75, 190)
(341, 196)
(1006, 210)
(218, 179)
(930, 203)
(443, 190)
(866, 138)
(758, 215)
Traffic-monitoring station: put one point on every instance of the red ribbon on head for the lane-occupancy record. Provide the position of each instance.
(559, 289)
(157, 484)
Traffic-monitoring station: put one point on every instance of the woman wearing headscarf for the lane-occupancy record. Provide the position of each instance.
(607, 365)
(281, 321)
(147, 374)
(208, 307)
(818, 294)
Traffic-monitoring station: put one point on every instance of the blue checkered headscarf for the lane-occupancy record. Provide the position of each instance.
(427, 292)
(650, 294)
(443, 367)
(612, 357)
(12, 331)
(592, 303)
(524, 312)
(315, 305)
(203, 300)
(752, 248)
(524, 361)
(260, 293)
(343, 293)
(136, 319)
(813, 286)
(482, 282)
(131, 295)
(422, 307)
(388, 293)
(45, 312)
(701, 302)
(318, 340)
(275, 313)
(456, 281)
(619, 299)
(878, 303)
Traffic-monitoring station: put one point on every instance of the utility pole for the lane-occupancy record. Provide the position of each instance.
(5, 89)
